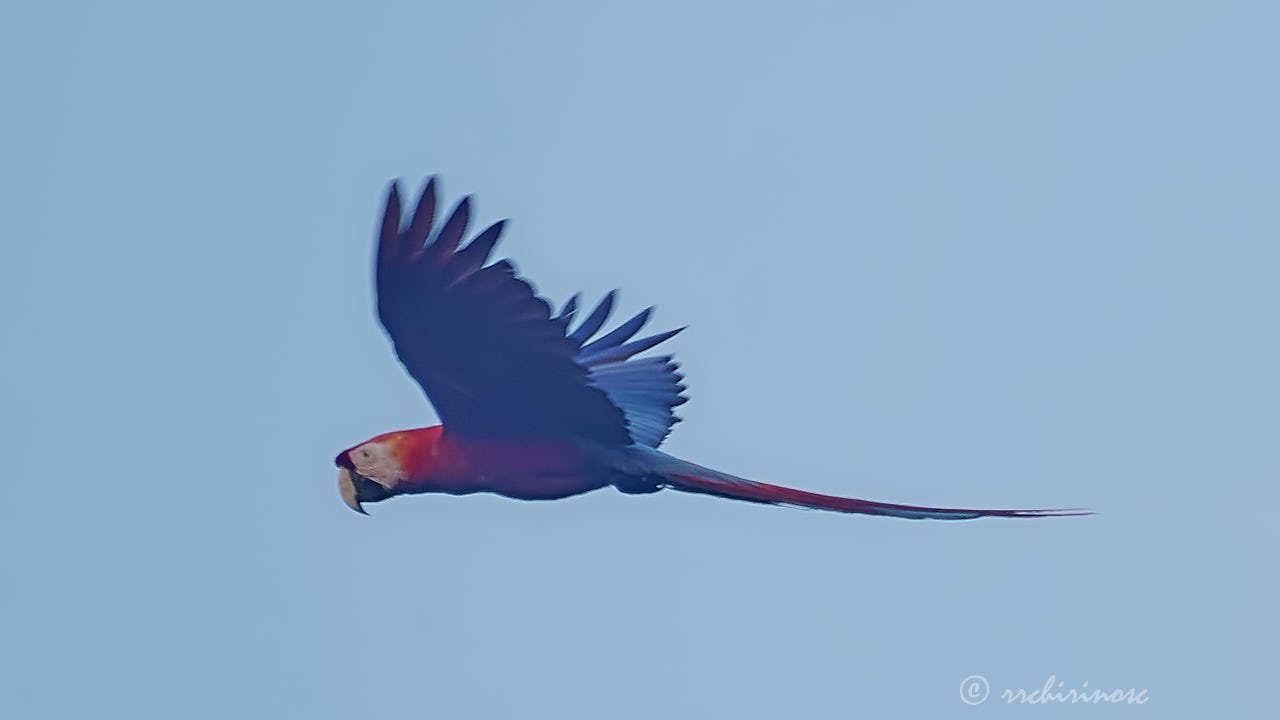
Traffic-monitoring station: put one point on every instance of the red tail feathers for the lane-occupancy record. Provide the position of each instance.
(739, 489)
(683, 475)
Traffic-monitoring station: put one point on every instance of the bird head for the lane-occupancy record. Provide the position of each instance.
(369, 472)
(390, 464)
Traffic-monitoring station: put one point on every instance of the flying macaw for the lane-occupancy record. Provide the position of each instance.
(531, 409)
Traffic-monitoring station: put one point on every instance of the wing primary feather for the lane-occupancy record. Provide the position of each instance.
(423, 217)
(622, 352)
(472, 257)
(595, 320)
(619, 334)
(389, 235)
(570, 307)
(566, 316)
(663, 363)
(451, 234)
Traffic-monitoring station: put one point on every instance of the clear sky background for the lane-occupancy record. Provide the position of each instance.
(1017, 254)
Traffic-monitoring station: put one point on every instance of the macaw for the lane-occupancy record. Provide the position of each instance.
(531, 409)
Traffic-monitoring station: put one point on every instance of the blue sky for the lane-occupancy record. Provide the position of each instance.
(988, 254)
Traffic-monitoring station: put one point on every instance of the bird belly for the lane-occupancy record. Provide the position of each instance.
(532, 471)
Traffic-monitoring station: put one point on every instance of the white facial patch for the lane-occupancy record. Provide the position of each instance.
(376, 462)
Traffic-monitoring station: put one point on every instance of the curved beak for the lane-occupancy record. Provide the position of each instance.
(347, 486)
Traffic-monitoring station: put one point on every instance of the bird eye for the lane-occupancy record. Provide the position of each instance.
(364, 453)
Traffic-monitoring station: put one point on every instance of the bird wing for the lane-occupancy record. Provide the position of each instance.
(647, 390)
(486, 349)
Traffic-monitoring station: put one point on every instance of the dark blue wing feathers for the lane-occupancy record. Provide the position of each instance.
(451, 234)
(424, 215)
(566, 313)
(490, 354)
(618, 335)
(595, 320)
(622, 352)
(476, 253)
(646, 390)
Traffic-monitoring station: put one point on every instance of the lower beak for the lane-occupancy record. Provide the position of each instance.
(347, 486)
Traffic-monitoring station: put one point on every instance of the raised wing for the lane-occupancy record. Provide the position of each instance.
(488, 353)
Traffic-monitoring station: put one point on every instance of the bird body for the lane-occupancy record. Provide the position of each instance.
(429, 460)
(532, 409)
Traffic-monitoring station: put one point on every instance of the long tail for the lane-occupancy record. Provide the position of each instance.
(687, 477)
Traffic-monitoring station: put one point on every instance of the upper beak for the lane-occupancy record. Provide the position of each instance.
(347, 486)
